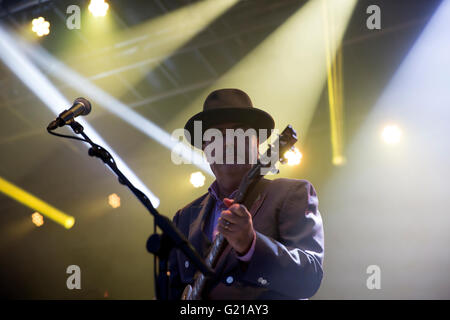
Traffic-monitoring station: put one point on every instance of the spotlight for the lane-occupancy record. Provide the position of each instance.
(37, 219)
(12, 55)
(40, 26)
(98, 8)
(70, 221)
(391, 134)
(114, 200)
(339, 160)
(293, 157)
(197, 179)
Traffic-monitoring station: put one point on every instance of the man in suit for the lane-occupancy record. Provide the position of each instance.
(276, 243)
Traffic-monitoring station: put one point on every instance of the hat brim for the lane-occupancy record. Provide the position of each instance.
(254, 117)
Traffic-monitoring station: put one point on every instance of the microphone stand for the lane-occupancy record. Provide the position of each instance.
(160, 245)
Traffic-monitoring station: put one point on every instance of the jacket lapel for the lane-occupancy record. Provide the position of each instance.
(257, 204)
(198, 215)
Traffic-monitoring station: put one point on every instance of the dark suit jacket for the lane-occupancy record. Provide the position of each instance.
(289, 250)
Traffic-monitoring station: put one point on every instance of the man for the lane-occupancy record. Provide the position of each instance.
(275, 237)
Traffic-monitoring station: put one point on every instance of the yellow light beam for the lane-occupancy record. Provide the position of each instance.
(286, 73)
(35, 203)
(159, 38)
(333, 56)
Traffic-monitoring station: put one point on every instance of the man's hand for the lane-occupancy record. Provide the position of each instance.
(236, 225)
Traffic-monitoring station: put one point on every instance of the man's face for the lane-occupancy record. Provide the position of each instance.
(239, 150)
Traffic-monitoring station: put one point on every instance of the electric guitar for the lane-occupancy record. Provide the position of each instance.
(265, 163)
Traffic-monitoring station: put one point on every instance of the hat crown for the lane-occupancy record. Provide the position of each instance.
(227, 98)
(228, 106)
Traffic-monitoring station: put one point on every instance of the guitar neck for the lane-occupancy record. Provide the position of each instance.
(219, 244)
(216, 249)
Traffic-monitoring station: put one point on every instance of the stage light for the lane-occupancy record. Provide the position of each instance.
(37, 219)
(144, 46)
(293, 157)
(339, 160)
(114, 200)
(39, 84)
(113, 105)
(291, 81)
(69, 222)
(98, 8)
(391, 134)
(333, 55)
(40, 26)
(197, 179)
(397, 202)
(33, 202)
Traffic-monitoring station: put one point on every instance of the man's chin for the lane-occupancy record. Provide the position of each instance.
(231, 168)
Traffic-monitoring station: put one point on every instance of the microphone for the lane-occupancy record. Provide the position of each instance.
(80, 107)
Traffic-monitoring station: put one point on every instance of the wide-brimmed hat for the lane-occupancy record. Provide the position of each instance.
(229, 105)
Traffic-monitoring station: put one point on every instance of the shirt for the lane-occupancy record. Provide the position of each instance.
(214, 217)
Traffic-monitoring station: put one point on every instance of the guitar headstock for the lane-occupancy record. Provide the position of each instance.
(287, 139)
(275, 152)
(266, 163)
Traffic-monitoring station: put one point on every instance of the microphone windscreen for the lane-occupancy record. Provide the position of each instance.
(86, 103)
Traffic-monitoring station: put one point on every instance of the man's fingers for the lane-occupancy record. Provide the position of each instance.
(238, 209)
(227, 224)
(229, 216)
(224, 228)
(228, 202)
